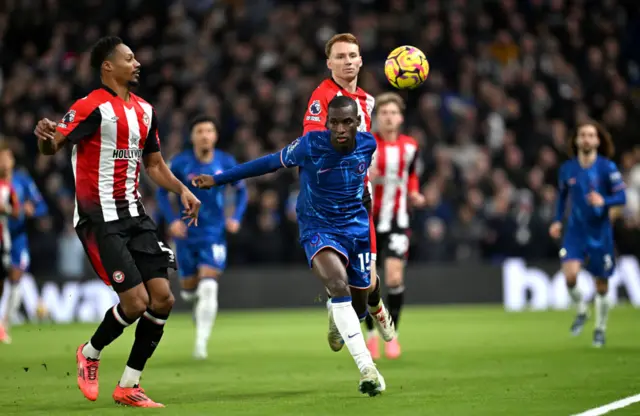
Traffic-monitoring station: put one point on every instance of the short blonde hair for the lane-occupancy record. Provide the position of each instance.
(390, 98)
(340, 37)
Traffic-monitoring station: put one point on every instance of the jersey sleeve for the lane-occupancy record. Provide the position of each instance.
(315, 118)
(563, 191)
(295, 154)
(81, 121)
(617, 194)
(152, 144)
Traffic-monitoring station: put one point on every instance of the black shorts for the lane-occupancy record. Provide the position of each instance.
(126, 252)
(393, 244)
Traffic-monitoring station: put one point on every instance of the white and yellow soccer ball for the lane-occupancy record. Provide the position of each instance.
(406, 67)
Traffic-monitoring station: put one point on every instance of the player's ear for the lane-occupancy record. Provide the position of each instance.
(107, 66)
(329, 64)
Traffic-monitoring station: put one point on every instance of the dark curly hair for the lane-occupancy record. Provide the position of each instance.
(103, 49)
(606, 148)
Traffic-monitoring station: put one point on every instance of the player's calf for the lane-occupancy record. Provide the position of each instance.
(571, 268)
(205, 312)
(601, 306)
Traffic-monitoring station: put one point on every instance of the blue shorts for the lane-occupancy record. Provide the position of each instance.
(191, 255)
(599, 261)
(356, 254)
(20, 257)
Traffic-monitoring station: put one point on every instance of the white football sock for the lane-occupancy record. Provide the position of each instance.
(602, 311)
(348, 324)
(89, 351)
(578, 299)
(206, 309)
(14, 302)
(130, 377)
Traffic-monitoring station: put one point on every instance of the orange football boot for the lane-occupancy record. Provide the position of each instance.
(87, 374)
(134, 397)
(392, 349)
(4, 335)
(373, 345)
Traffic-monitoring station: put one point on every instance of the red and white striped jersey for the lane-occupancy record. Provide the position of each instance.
(394, 164)
(10, 207)
(315, 119)
(316, 116)
(110, 137)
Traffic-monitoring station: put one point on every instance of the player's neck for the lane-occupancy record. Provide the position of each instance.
(204, 157)
(349, 86)
(121, 91)
(587, 159)
(389, 136)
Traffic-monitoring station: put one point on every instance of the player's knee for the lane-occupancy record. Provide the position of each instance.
(602, 286)
(338, 288)
(163, 303)
(134, 308)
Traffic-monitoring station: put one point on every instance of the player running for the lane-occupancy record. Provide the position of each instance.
(9, 208)
(333, 223)
(593, 185)
(111, 129)
(395, 188)
(202, 251)
(33, 206)
(344, 61)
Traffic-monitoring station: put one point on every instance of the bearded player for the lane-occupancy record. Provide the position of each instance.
(395, 189)
(593, 184)
(344, 61)
(113, 132)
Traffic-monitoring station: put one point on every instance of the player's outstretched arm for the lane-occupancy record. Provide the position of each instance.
(251, 169)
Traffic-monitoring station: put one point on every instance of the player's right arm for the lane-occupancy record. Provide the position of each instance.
(315, 118)
(292, 155)
(555, 230)
(81, 121)
(177, 227)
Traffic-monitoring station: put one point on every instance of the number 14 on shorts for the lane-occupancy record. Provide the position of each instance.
(365, 261)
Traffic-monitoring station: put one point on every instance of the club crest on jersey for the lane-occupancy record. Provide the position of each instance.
(118, 276)
(315, 240)
(145, 119)
(315, 108)
(361, 167)
(69, 117)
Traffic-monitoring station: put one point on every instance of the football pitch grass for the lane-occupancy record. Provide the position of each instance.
(456, 361)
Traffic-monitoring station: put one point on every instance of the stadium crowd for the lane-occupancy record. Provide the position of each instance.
(509, 79)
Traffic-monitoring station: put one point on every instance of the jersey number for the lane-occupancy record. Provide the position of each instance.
(365, 261)
(219, 252)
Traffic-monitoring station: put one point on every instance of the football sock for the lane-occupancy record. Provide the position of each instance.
(188, 295)
(348, 324)
(111, 327)
(206, 309)
(148, 334)
(578, 299)
(15, 298)
(373, 303)
(395, 300)
(602, 310)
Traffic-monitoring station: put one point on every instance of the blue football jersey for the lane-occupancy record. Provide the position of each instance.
(586, 222)
(331, 184)
(26, 190)
(211, 219)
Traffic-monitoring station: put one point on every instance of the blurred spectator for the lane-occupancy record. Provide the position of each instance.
(509, 80)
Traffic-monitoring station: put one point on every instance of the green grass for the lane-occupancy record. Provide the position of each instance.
(457, 361)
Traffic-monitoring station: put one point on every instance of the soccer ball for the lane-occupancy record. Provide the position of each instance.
(406, 67)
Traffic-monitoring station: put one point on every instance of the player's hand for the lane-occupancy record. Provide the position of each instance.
(555, 231)
(191, 206)
(178, 229)
(595, 199)
(233, 226)
(29, 209)
(45, 130)
(203, 182)
(417, 199)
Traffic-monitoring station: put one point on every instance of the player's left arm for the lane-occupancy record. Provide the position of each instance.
(618, 195)
(159, 172)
